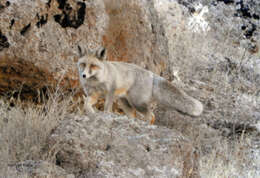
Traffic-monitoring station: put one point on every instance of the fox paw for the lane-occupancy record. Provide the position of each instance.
(152, 121)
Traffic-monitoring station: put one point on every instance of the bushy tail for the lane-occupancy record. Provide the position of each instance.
(168, 95)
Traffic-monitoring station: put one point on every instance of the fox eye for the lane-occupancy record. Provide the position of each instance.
(82, 66)
(93, 67)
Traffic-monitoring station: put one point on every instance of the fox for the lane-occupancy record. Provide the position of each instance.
(135, 88)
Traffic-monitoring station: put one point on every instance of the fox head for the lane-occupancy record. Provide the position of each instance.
(91, 67)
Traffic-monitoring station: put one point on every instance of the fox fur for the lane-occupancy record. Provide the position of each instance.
(134, 87)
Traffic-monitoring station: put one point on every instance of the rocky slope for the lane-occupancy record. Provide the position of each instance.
(214, 50)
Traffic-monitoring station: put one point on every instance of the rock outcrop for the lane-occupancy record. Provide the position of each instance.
(107, 145)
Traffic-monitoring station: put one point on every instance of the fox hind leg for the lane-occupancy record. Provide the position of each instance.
(149, 116)
(147, 111)
(152, 120)
(127, 108)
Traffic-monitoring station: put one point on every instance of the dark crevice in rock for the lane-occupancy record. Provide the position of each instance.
(3, 41)
(227, 1)
(12, 23)
(255, 16)
(68, 18)
(48, 3)
(42, 20)
(108, 147)
(243, 27)
(62, 3)
(11, 104)
(250, 31)
(25, 29)
(148, 149)
(58, 161)
(153, 30)
(188, 5)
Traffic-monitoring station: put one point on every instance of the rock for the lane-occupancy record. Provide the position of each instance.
(45, 35)
(107, 145)
(37, 169)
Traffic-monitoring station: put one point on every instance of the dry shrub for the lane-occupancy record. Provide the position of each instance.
(229, 159)
(23, 78)
(24, 130)
(228, 95)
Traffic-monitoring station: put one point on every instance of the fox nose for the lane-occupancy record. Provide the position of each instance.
(84, 75)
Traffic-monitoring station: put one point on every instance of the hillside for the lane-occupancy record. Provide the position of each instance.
(210, 49)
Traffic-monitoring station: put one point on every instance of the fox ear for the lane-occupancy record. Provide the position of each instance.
(81, 52)
(101, 54)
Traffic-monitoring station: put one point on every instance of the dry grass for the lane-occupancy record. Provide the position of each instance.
(229, 159)
(24, 130)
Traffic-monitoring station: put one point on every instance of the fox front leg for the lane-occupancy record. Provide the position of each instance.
(90, 101)
(127, 108)
(147, 111)
(109, 102)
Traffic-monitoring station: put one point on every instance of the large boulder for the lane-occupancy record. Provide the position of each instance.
(106, 145)
(39, 39)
